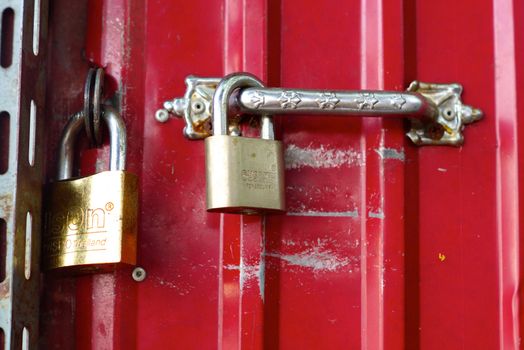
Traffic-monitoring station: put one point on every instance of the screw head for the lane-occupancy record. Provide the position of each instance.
(198, 107)
(139, 274)
(162, 115)
(449, 114)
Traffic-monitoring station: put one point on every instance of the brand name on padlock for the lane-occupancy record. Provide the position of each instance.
(78, 220)
(91, 220)
(259, 179)
(77, 229)
(77, 243)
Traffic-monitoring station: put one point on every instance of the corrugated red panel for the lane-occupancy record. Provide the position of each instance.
(384, 245)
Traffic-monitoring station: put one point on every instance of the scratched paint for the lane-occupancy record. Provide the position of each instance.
(183, 288)
(320, 242)
(308, 199)
(351, 214)
(296, 157)
(248, 273)
(376, 214)
(314, 258)
(391, 153)
(262, 264)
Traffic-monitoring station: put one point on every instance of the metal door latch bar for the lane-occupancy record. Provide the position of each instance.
(436, 112)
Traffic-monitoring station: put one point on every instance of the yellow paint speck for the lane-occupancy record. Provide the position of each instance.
(441, 257)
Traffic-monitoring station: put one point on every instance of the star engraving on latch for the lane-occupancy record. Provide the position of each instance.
(289, 99)
(366, 100)
(398, 101)
(257, 99)
(327, 100)
(436, 111)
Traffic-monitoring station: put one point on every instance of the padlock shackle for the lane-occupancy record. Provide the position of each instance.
(221, 98)
(117, 142)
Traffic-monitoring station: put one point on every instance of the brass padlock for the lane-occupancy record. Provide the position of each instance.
(243, 175)
(91, 221)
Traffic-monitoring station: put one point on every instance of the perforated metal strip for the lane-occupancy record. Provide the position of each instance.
(22, 82)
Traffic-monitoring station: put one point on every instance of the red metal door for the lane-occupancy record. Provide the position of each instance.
(384, 246)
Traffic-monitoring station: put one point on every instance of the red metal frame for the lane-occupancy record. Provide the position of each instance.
(410, 248)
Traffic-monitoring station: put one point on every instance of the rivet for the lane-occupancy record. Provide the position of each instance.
(139, 274)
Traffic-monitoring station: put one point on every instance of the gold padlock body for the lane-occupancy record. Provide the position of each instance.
(91, 222)
(244, 175)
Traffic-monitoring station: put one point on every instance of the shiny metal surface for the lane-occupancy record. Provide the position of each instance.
(244, 175)
(97, 105)
(195, 107)
(385, 245)
(89, 87)
(93, 94)
(363, 103)
(267, 129)
(436, 111)
(23, 70)
(139, 274)
(221, 98)
(91, 223)
(453, 115)
(117, 142)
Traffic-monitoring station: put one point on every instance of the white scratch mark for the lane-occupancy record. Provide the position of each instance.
(315, 258)
(443, 170)
(262, 264)
(289, 242)
(352, 214)
(246, 272)
(262, 277)
(182, 288)
(377, 215)
(391, 153)
(249, 272)
(296, 157)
